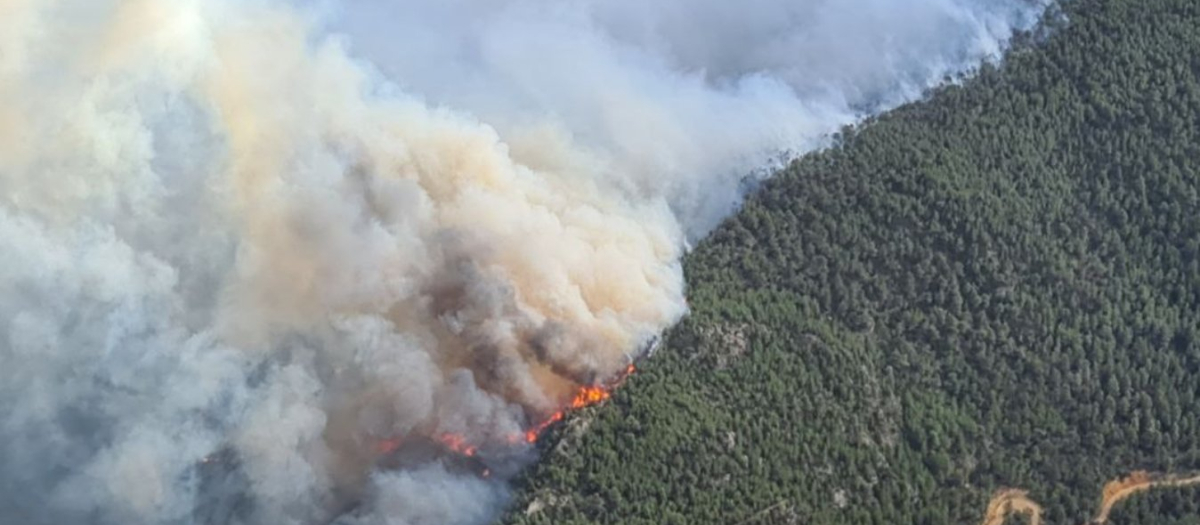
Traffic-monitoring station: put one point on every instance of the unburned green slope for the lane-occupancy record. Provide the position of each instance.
(999, 287)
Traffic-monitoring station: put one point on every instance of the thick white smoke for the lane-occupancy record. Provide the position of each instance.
(269, 262)
(684, 98)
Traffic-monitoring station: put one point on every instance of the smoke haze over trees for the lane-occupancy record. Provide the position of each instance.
(269, 262)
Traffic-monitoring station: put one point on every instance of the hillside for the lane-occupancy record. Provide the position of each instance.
(996, 288)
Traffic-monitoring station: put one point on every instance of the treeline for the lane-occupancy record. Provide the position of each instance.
(998, 287)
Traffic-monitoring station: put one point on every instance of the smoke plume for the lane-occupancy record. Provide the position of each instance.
(310, 262)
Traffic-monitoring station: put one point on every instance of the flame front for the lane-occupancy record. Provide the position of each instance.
(589, 396)
(585, 397)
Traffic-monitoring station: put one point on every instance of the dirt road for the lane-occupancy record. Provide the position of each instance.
(1008, 502)
(1012, 501)
(1117, 490)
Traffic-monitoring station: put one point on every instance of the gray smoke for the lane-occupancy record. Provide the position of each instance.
(310, 262)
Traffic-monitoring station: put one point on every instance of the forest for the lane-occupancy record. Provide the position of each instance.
(997, 287)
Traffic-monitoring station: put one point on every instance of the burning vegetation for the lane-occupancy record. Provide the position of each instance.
(225, 485)
(457, 445)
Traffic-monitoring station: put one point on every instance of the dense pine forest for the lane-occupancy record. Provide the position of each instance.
(996, 287)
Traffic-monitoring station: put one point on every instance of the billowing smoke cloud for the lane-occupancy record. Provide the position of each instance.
(683, 97)
(306, 262)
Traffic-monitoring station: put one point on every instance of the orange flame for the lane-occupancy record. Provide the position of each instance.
(531, 435)
(588, 396)
(585, 397)
(387, 446)
(458, 444)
